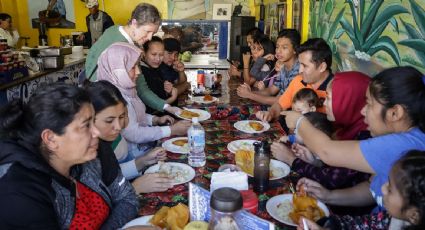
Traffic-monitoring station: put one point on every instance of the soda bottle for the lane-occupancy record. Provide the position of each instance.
(196, 140)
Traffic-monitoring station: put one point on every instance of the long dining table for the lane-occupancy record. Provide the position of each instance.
(219, 131)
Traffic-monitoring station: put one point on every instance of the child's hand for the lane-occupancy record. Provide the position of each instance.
(278, 66)
(284, 139)
(246, 58)
(303, 153)
(168, 87)
(178, 66)
(314, 189)
(310, 224)
(269, 57)
(259, 85)
(282, 152)
(243, 91)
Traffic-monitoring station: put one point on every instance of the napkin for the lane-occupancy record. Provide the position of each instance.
(236, 180)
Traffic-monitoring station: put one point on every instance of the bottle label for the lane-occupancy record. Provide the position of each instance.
(198, 139)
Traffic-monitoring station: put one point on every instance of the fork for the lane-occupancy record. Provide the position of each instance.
(291, 188)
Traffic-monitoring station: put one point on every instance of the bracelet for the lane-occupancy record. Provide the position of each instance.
(297, 125)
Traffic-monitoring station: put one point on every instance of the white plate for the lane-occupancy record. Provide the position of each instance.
(244, 126)
(187, 173)
(238, 144)
(169, 146)
(203, 115)
(280, 169)
(200, 99)
(283, 215)
(144, 220)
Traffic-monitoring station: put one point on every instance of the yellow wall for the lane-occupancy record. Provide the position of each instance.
(119, 10)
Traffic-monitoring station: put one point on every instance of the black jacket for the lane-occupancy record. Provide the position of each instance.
(34, 196)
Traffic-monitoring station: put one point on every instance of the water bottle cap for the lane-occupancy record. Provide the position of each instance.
(195, 120)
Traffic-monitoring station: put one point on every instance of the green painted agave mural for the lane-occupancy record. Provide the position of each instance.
(371, 32)
(415, 34)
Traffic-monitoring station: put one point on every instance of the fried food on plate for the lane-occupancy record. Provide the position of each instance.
(257, 126)
(180, 142)
(188, 114)
(305, 206)
(174, 218)
(208, 98)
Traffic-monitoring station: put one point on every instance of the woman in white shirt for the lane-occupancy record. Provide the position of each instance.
(6, 30)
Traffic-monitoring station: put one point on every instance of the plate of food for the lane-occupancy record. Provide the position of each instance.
(143, 220)
(288, 208)
(251, 126)
(241, 144)
(207, 99)
(188, 114)
(177, 145)
(179, 172)
(245, 160)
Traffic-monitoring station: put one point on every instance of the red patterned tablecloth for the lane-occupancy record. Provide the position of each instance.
(219, 132)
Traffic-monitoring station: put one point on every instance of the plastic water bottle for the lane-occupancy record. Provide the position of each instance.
(196, 139)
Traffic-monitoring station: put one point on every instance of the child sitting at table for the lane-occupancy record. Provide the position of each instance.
(306, 100)
(262, 53)
(403, 198)
(318, 120)
(151, 61)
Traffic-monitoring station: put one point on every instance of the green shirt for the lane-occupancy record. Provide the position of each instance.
(112, 35)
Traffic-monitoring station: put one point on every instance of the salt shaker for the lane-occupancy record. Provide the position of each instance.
(261, 166)
(226, 204)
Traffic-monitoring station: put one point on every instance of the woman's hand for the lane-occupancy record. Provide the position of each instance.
(303, 153)
(291, 118)
(153, 156)
(180, 128)
(168, 87)
(314, 189)
(282, 152)
(173, 110)
(310, 224)
(152, 182)
(244, 91)
(164, 120)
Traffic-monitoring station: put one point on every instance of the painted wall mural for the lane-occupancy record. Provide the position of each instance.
(370, 35)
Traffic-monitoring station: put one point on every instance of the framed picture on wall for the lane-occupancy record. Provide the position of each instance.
(297, 16)
(281, 9)
(222, 11)
(60, 13)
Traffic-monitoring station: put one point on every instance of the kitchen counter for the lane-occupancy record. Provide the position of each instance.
(206, 61)
(24, 87)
